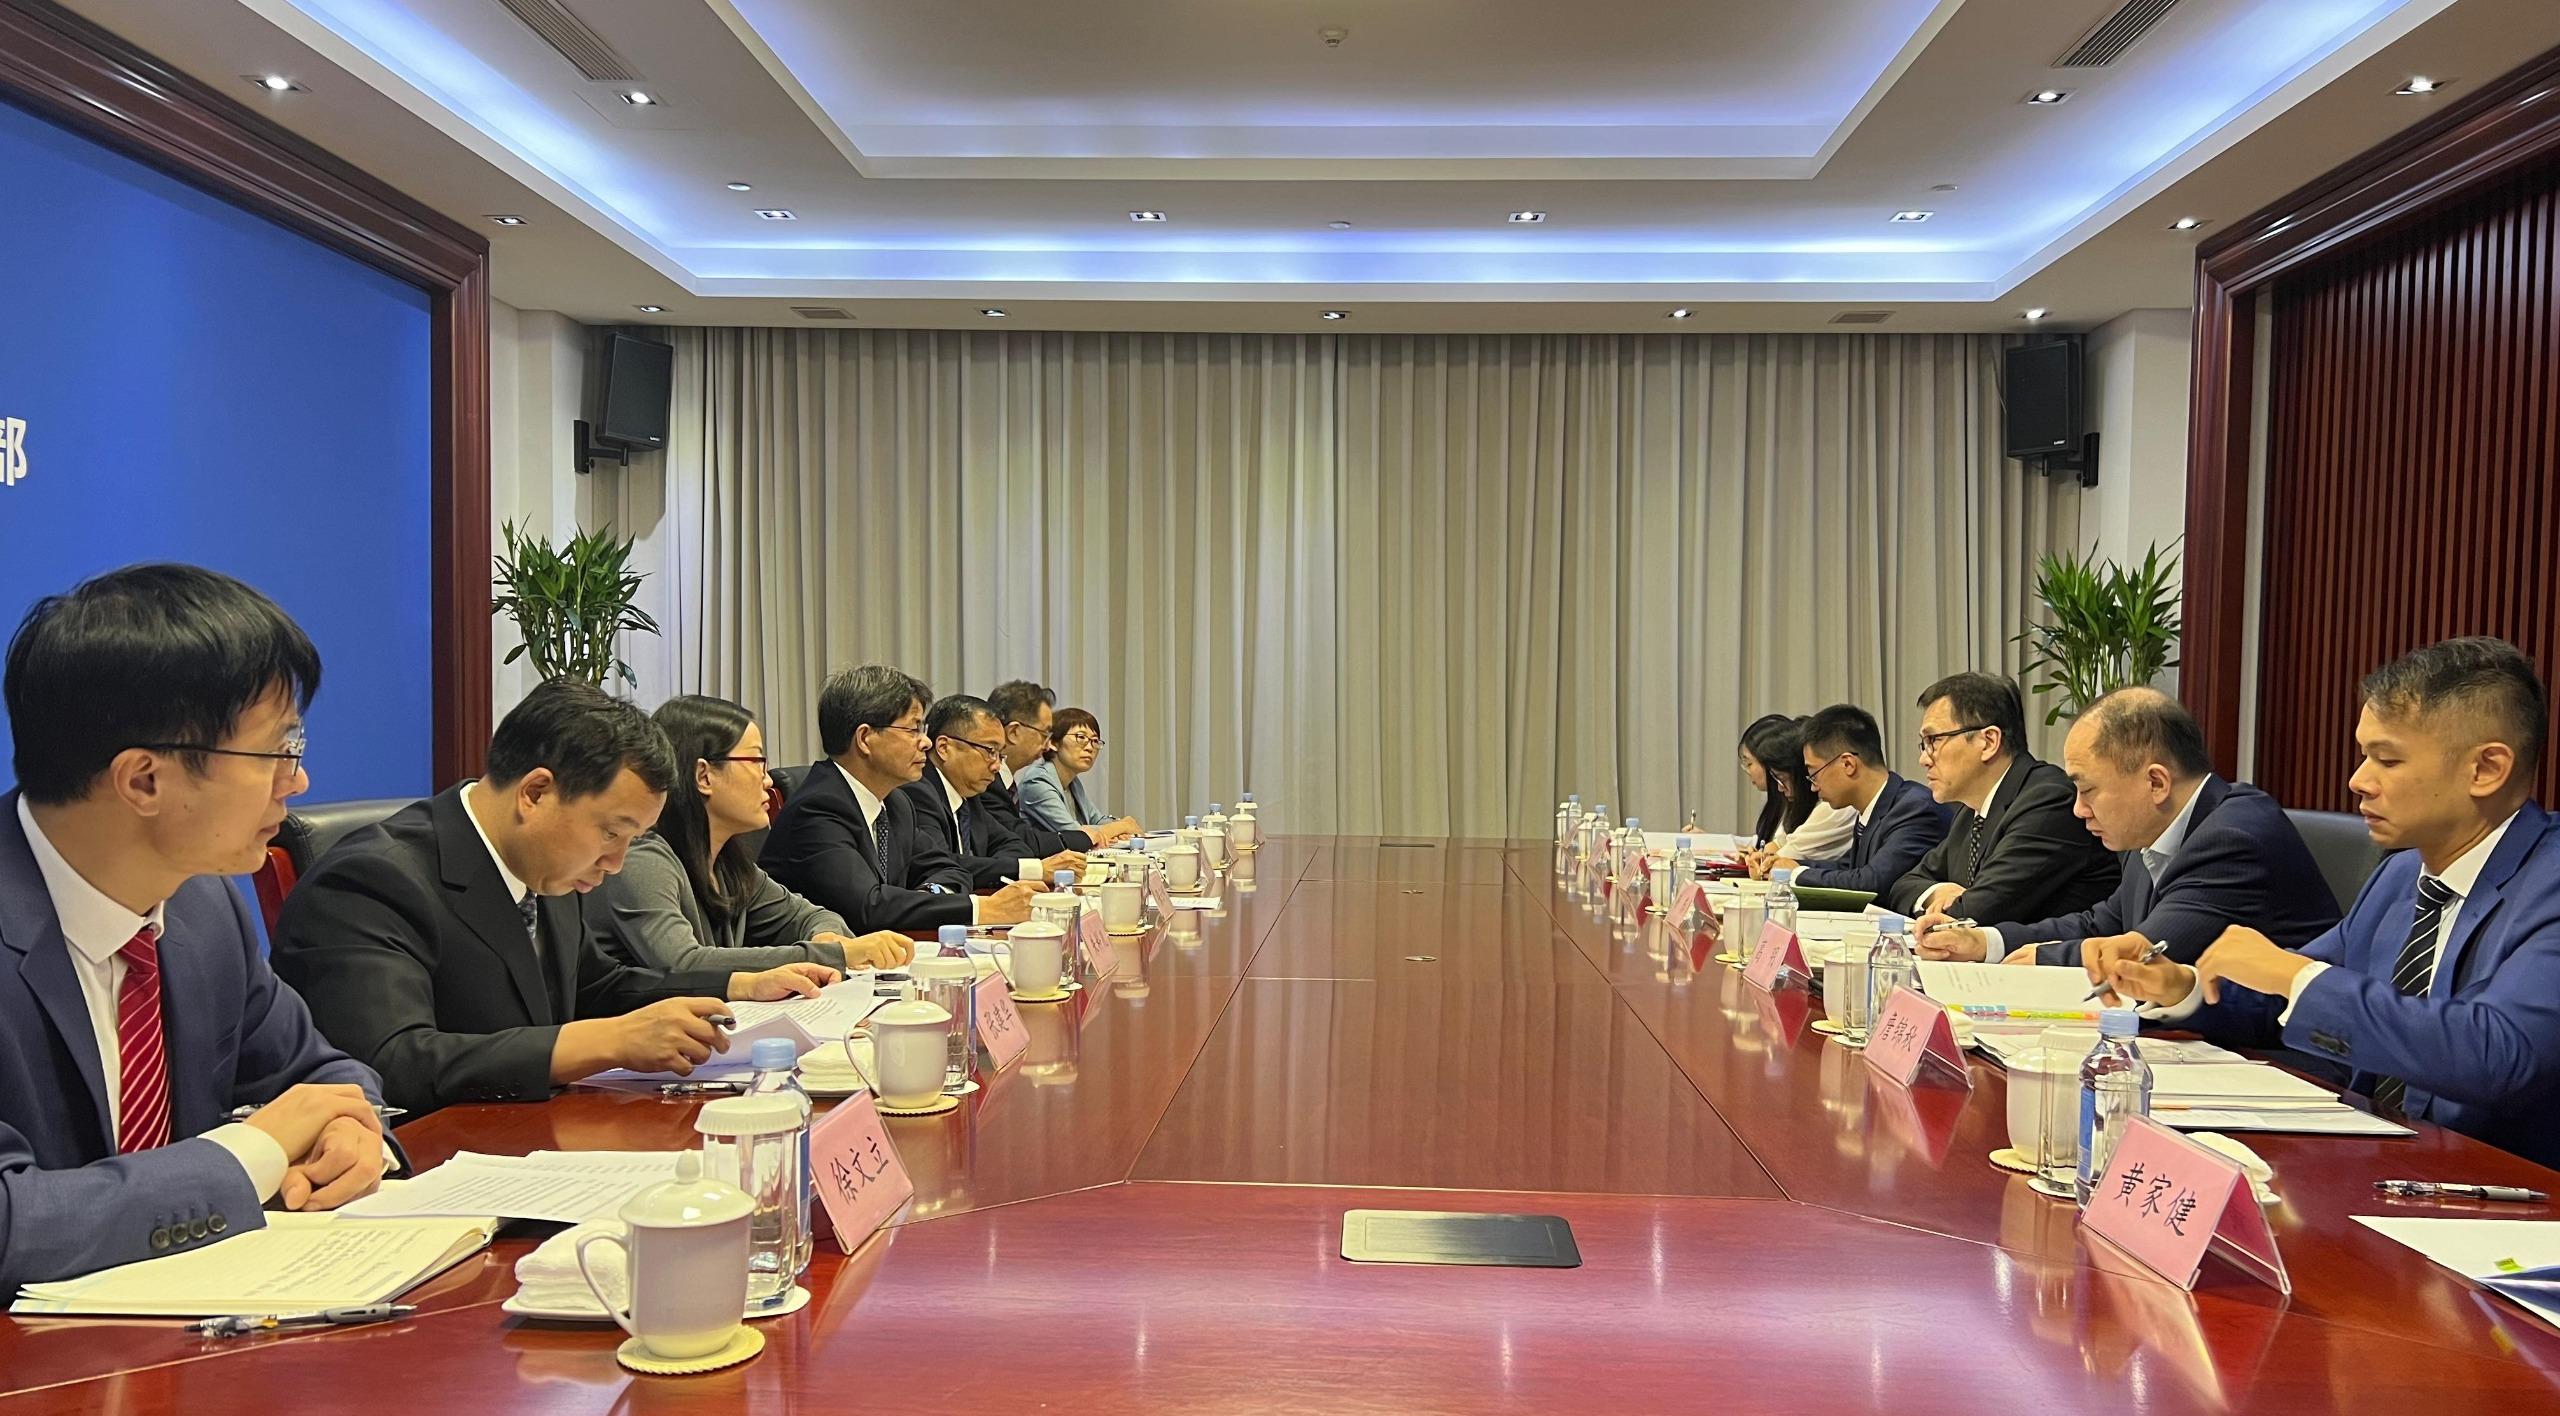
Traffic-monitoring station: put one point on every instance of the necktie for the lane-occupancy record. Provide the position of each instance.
(532, 920)
(1976, 867)
(142, 1115)
(1858, 841)
(880, 845)
(2415, 972)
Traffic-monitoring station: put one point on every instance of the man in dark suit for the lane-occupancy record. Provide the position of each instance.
(156, 713)
(2200, 854)
(1027, 709)
(1897, 820)
(453, 946)
(950, 798)
(2014, 851)
(2440, 992)
(851, 841)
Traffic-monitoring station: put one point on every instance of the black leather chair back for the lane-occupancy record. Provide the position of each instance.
(309, 831)
(2344, 849)
(789, 779)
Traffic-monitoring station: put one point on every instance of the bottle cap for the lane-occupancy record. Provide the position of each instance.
(1892, 924)
(1782, 877)
(1575, 798)
(773, 1054)
(1191, 823)
(1684, 843)
(953, 936)
(1217, 809)
(1065, 880)
(2118, 1022)
(1634, 825)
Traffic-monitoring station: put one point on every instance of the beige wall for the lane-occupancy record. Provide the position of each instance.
(2138, 368)
(537, 380)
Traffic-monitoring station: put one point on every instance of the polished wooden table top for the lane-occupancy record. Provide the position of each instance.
(1146, 1212)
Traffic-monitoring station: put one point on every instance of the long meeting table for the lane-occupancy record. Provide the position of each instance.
(1145, 1212)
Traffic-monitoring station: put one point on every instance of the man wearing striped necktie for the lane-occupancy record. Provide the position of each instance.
(156, 717)
(2440, 991)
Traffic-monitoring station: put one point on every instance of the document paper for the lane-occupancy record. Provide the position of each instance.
(297, 1263)
(564, 1187)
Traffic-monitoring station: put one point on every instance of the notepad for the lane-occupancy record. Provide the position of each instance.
(2518, 1259)
(564, 1187)
(2338, 1119)
(2243, 1086)
(297, 1263)
(2005, 985)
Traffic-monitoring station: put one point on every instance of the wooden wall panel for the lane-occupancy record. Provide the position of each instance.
(2412, 405)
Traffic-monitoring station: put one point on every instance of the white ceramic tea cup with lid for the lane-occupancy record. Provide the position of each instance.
(685, 1248)
(910, 1046)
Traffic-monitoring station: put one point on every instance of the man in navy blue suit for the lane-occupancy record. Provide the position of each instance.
(2441, 990)
(156, 714)
(2200, 854)
(1898, 821)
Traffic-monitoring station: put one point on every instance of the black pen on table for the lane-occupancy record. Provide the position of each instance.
(2432, 1189)
(242, 1324)
(387, 1113)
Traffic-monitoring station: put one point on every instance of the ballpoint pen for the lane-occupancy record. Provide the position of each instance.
(387, 1113)
(703, 1088)
(242, 1324)
(2431, 1189)
(2147, 955)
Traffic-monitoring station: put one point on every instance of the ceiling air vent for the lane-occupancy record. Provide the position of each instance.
(1868, 317)
(585, 50)
(2112, 36)
(821, 312)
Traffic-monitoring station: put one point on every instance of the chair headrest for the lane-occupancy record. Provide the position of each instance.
(309, 831)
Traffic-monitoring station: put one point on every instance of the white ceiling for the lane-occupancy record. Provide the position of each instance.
(1740, 158)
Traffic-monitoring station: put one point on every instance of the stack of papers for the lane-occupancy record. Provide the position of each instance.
(1700, 842)
(564, 1187)
(297, 1263)
(2516, 1258)
(2248, 1086)
(2038, 988)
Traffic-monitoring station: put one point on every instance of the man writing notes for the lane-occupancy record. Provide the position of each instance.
(2014, 851)
(2441, 989)
(454, 947)
(1028, 710)
(2199, 853)
(1897, 821)
(849, 840)
(965, 746)
(156, 718)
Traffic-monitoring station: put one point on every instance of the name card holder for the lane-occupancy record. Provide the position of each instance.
(860, 1180)
(1100, 955)
(1000, 1031)
(2168, 1202)
(1687, 905)
(1912, 1035)
(1775, 959)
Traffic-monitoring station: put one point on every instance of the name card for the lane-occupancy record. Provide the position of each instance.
(1910, 1034)
(860, 1181)
(1158, 897)
(2168, 1202)
(1775, 958)
(1100, 954)
(1000, 1029)
(1686, 904)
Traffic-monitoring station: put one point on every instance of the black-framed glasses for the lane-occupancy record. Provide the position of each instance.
(759, 759)
(994, 754)
(287, 758)
(1079, 738)
(915, 728)
(1035, 730)
(1931, 742)
(1814, 775)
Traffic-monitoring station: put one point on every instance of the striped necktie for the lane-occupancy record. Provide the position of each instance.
(142, 1061)
(2415, 972)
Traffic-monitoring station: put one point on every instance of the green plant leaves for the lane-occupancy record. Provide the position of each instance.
(568, 602)
(2107, 627)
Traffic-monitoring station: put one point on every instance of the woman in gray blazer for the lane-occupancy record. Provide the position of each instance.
(691, 886)
(1048, 788)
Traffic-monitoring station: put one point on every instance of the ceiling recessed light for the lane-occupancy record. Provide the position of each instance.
(1913, 215)
(1944, 187)
(651, 309)
(741, 186)
(2046, 98)
(275, 83)
(1680, 314)
(777, 214)
(1338, 225)
(991, 312)
(2186, 223)
(1334, 315)
(2039, 312)
(508, 220)
(1146, 216)
(1528, 218)
(638, 99)
(2420, 85)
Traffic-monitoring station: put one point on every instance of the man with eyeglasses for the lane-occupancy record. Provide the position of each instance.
(1898, 822)
(2015, 850)
(1028, 709)
(156, 717)
(965, 749)
(850, 840)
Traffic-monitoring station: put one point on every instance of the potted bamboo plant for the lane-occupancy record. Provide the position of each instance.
(2108, 627)
(569, 602)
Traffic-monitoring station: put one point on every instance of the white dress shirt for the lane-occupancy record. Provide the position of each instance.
(516, 889)
(2458, 877)
(871, 807)
(1024, 867)
(98, 929)
(1825, 835)
(2157, 855)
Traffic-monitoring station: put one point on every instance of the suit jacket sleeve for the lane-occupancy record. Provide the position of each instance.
(1900, 845)
(610, 985)
(1904, 895)
(830, 867)
(2039, 838)
(931, 863)
(65, 1223)
(778, 920)
(360, 945)
(1043, 802)
(2103, 918)
(653, 914)
(279, 1046)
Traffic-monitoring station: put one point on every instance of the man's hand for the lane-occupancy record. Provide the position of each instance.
(1937, 937)
(1941, 898)
(2114, 963)
(1063, 860)
(2251, 960)
(345, 1165)
(1114, 832)
(881, 949)
(674, 1035)
(786, 981)
(297, 1118)
(1010, 905)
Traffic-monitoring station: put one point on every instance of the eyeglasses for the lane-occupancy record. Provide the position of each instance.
(994, 754)
(1080, 738)
(1034, 729)
(1815, 774)
(915, 728)
(287, 759)
(1931, 742)
(739, 757)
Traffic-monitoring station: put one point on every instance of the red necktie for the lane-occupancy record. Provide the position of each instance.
(142, 1117)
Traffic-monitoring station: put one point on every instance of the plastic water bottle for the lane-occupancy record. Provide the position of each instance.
(953, 940)
(1684, 863)
(1568, 815)
(1595, 832)
(778, 1074)
(2115, 1087)
(1889, 966)
(1628, 849)
(1782, 899)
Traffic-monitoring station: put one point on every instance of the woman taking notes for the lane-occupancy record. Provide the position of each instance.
(1793, 822)
(1048, 788)
(690, 887)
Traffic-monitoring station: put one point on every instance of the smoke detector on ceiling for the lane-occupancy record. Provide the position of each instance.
(1333, 36)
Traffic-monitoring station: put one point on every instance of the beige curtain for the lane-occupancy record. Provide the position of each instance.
(1392, 584)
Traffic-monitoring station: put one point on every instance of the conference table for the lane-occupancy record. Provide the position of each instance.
(1145, 1212)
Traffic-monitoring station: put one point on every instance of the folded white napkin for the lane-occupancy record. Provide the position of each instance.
(548, 1278)
(2259, 1172)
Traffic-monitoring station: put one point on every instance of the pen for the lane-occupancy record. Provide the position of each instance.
(2155, 951)
(701, 1088)
(241, 1324)
(2430, 1189)
(387, 1113)
(722, 1021)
